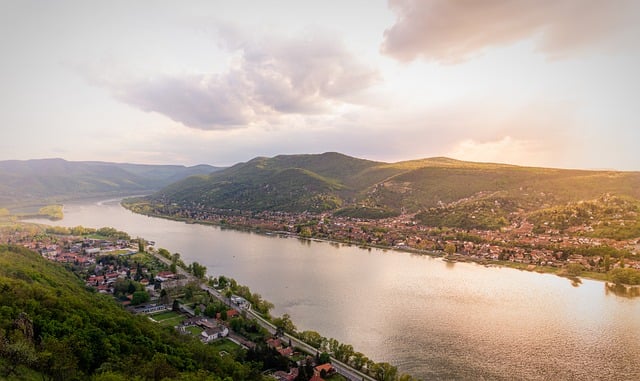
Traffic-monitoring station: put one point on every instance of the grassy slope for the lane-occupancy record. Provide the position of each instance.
(290, 183)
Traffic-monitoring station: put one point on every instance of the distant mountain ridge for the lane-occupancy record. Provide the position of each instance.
(24, 182)
(442, 191)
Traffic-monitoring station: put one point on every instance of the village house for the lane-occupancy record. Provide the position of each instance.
(327, 369)
(195, 320)
(210, 334)
(150, 308)
(172, 283)
(230, 314)
(239, 301)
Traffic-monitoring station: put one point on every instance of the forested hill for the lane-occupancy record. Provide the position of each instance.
(51, 327)
(48, 181)
(435, 188)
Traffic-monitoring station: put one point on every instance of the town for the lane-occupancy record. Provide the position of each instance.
(517, 245)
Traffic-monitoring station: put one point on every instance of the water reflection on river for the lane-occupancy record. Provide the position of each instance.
(433, 319)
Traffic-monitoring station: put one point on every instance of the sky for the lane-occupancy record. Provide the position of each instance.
(545, 83)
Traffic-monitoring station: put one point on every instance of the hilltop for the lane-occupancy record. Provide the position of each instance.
(47, 181)
(439, 191)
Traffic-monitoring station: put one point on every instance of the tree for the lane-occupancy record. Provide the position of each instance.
(384, 372)
(332, 345)
(131, 288)
(140, 297)
(165, 253)
(164, 297)
(159, 368)
(285, 324)
(198, 270)
(450, 248)
(124, 286)
(312, 338)
(625, 276)
(344, 352)
(188, 292)
(358, 360)
(574, 269)
(17, 351)
(324, 358)
(141, 245)
(57, 360)
(607, 262)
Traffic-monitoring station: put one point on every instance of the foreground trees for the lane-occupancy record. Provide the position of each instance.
(53, 328)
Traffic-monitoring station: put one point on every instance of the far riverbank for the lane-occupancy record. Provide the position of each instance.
(451, 258)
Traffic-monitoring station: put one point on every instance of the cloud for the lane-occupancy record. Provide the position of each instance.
(453, 31)
(199, 101)
(271, 78)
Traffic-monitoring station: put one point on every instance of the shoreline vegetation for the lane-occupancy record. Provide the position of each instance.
(53, 212)
(573, 273)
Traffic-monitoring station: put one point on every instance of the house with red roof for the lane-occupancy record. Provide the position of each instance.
(327, 368)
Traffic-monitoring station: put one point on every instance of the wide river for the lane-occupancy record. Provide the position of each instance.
(434, 320)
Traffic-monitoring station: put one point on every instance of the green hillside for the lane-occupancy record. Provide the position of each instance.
(292, 183)
(49, 181)
(442, 191)
(52, 328)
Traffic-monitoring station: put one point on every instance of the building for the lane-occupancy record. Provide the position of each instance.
(214, 333)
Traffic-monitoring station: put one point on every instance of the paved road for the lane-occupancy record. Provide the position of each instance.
(344, 369)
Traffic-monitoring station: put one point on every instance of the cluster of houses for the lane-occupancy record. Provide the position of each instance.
(318, 371)
(211, 330)
(82, 252)
(104, 278)
(86, 252)
(278, 346)
(517, 242)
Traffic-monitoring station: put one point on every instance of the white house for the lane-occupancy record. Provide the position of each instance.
(210, 334)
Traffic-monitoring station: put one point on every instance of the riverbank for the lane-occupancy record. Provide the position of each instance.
(451, 258)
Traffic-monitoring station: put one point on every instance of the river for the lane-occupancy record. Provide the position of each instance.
(432, 319)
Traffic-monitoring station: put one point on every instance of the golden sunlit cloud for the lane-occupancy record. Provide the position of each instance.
(453, 31)
(505, 150)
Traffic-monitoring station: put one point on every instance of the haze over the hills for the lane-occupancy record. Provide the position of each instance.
(539, 83)
(56, 180)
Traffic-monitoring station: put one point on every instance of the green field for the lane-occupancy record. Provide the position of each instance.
(194, 330)
(168, 319)
(225, 345)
